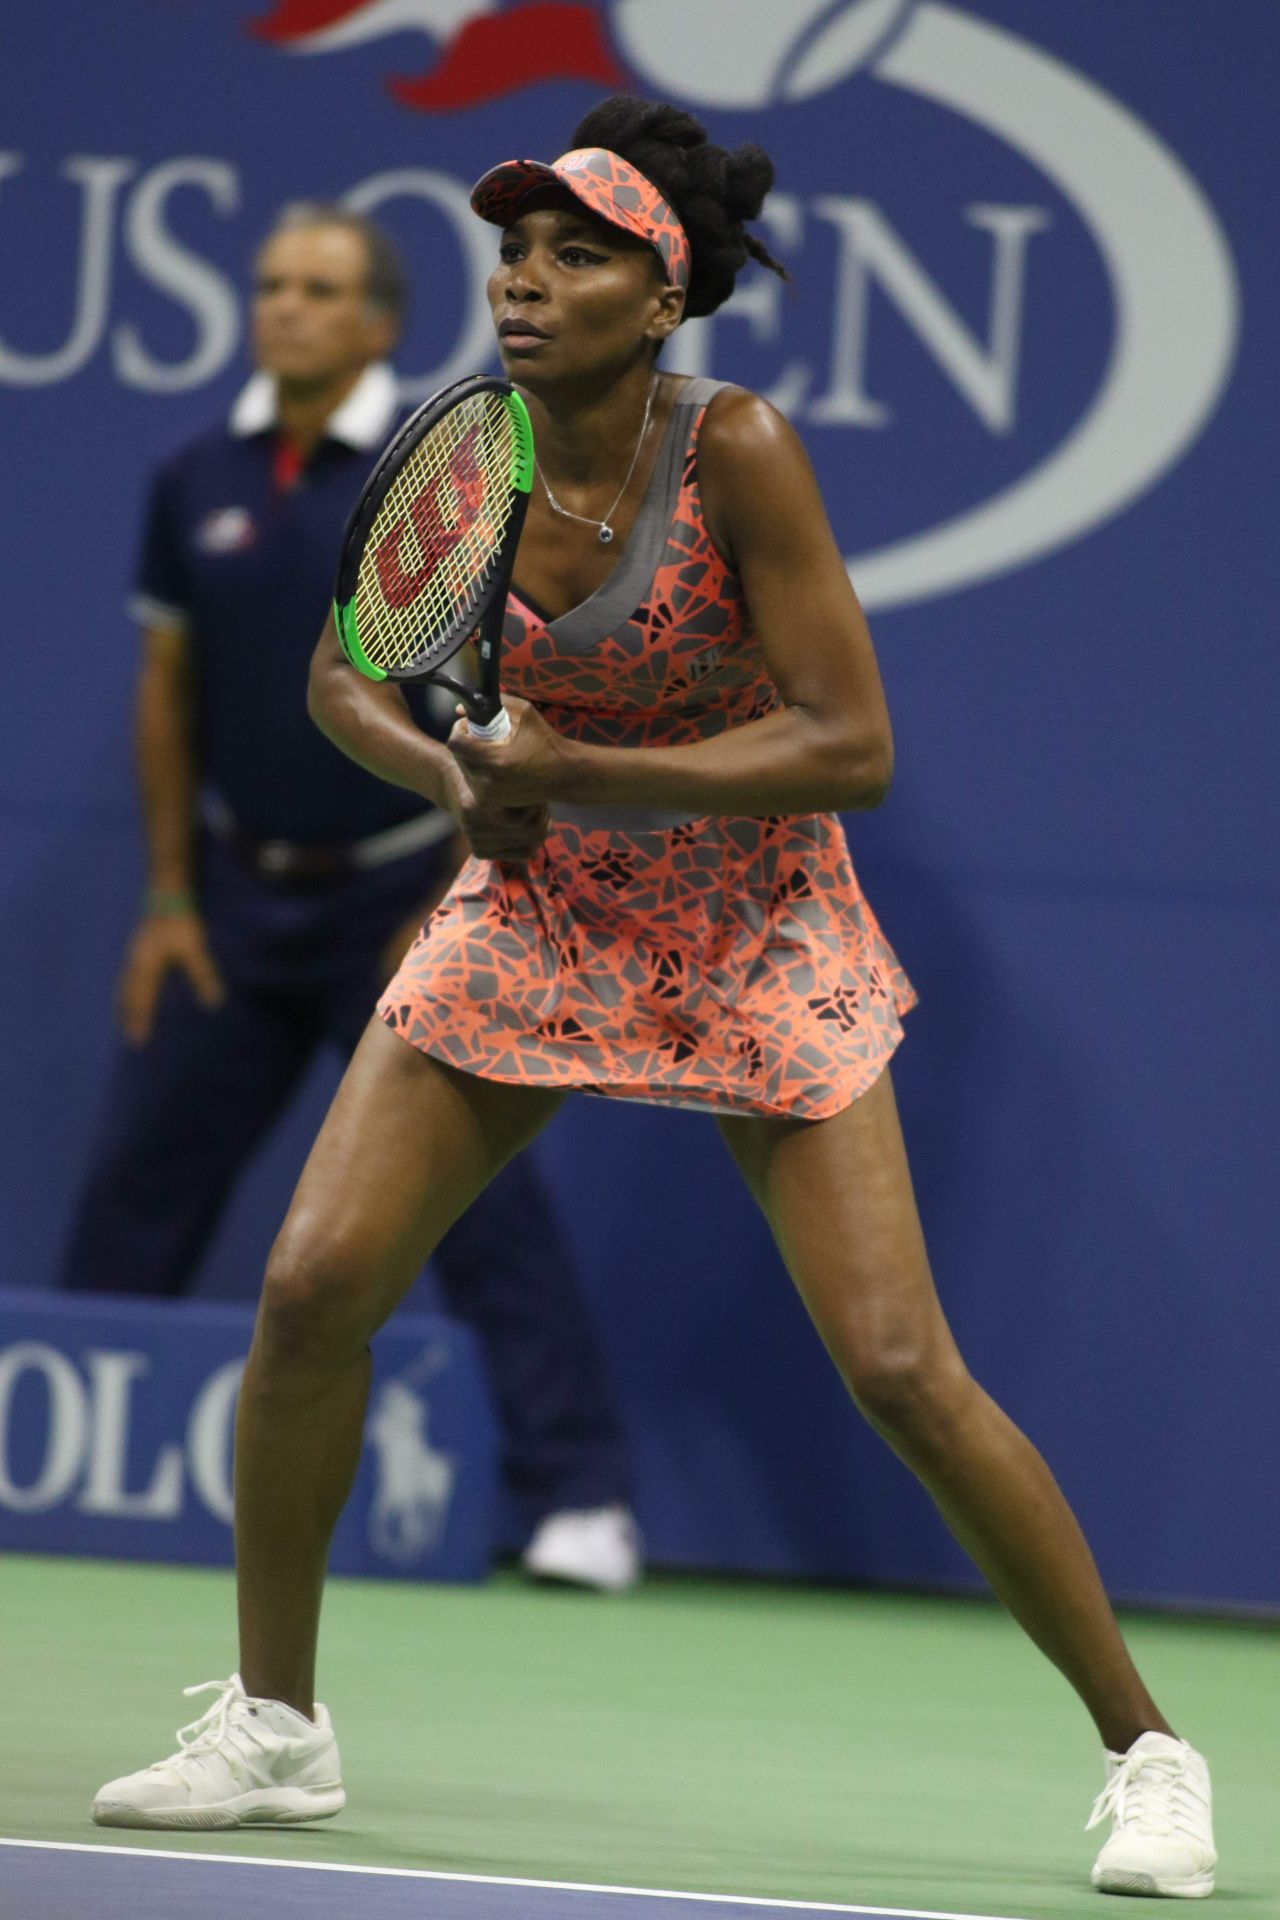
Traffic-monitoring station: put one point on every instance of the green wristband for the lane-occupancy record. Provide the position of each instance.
(161, 900)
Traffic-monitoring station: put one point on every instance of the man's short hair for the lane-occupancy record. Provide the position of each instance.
(387, 284)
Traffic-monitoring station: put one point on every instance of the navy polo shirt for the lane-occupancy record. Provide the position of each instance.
(246, 569)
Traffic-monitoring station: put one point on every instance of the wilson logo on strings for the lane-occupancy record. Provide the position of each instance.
(459, 491)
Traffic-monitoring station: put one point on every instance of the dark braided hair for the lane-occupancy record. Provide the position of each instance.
(711, 190)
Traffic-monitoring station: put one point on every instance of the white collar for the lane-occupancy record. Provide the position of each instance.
(362, 421)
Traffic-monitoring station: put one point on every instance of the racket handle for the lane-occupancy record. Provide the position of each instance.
(493, 730)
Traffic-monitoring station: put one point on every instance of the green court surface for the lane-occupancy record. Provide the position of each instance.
(697, 1735)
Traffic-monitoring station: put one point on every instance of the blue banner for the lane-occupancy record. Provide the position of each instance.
(1027, 342)
(115, 1439)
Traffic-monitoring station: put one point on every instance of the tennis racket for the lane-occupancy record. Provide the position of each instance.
(428, 551)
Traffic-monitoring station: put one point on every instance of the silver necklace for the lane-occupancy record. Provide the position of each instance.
(604, 532)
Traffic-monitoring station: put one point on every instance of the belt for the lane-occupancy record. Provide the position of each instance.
(287, 860)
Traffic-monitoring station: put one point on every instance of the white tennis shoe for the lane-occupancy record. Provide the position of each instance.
(1161, 1841)
(593, 1547)
(244, 1763)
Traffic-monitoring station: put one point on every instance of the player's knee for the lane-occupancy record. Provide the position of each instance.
(905, 1386)
(310, 1314)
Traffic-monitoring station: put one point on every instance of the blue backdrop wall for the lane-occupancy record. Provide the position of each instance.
(1030, 347)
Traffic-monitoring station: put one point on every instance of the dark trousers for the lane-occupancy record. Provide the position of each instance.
(185, 1112)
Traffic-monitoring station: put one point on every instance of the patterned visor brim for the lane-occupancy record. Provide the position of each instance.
(606, 184)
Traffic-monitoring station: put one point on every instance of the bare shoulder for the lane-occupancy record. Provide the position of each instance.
(753, 470)
(740, 425)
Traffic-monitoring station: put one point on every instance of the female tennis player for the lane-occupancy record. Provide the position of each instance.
(659, 907)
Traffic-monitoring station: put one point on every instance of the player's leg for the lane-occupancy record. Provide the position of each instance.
(183, 1114)
(407, 1145)
(563, 1452)
(837, 1194)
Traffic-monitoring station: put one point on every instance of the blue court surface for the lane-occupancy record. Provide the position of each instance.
(54, 1881)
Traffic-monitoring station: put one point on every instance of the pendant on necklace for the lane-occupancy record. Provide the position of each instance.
(605, 535)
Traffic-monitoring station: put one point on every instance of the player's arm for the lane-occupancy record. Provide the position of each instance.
(371, 723)
(170, 934)
(829, 745)
(766, 514)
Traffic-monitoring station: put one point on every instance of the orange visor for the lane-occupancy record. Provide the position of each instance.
(606, 184)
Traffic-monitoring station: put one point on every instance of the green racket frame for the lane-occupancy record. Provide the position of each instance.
(486, 604)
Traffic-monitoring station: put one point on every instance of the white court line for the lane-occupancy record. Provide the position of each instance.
(498, 1880)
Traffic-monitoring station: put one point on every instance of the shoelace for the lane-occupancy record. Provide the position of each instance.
(1143, 1793)
(208, 1730)
(206, 1733)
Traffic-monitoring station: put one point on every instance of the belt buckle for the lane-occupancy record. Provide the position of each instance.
(275, 856)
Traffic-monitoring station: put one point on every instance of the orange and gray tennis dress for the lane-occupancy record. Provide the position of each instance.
(721, 962)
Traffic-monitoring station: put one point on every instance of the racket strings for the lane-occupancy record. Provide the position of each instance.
(436, 537)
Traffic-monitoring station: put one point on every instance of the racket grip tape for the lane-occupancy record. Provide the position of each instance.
(493, 730)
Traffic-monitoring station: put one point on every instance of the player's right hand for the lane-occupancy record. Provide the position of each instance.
(163, 942)
(494, 833)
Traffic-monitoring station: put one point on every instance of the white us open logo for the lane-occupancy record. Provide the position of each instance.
(1173, 281)
(1174, 300)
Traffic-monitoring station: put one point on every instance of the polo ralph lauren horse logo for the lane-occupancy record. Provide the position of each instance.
(415, 1480)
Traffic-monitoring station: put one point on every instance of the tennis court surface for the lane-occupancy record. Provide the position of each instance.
(697, 1750)
(116, 1884)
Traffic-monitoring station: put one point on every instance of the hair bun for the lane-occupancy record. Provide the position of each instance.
(712, 192)
(673, 127)
(749, 176)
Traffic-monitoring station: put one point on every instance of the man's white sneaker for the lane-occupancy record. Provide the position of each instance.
(244, 1763)
(596, 1547)
(1161, 1842)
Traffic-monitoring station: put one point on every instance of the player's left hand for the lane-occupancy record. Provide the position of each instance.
(524, 769)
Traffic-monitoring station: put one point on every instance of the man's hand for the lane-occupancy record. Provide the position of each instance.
(493, 831)
(162, 942)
